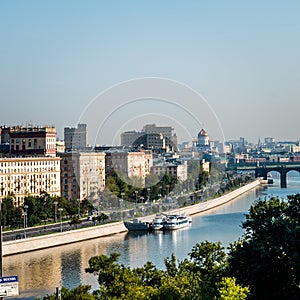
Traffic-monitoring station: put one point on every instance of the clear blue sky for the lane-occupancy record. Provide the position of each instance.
(243, 57)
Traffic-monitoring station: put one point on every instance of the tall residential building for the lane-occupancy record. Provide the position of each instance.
(30, 140)
(76, 138)
(167, 131)
(128, 138)
(132, 164)
(151, 136)
(23, 176)
(176, 170)
(82, 175)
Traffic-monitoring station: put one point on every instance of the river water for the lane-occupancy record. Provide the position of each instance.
(40, 272)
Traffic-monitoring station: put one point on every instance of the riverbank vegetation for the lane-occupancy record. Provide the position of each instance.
(41, 210)
(263, 264)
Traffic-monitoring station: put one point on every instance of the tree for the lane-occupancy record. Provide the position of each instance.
(267, 258)
(102, 217)
(228, 290)
(200, 277)
(209, 261)
(86, 206)
(75, 221)
(10, 215)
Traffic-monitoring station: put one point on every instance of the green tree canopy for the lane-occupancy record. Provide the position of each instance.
(267, 257)
(199, 277)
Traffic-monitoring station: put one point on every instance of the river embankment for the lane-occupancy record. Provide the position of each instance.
(68, 237)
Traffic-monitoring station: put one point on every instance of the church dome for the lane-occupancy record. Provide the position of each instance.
(202, 133)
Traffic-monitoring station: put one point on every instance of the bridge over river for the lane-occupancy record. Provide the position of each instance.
(262, 169)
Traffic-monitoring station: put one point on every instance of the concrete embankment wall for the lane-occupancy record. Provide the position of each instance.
(68, 237)
(203, 206)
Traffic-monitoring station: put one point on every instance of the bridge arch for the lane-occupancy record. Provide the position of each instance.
(283, 171)
(293, 170)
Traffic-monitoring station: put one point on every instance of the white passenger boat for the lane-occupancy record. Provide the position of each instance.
(177, 221)
(136, 224)
(158, 222)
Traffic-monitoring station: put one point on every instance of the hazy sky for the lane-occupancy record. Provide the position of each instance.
(242, 57)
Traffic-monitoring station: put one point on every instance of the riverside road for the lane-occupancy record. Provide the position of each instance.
(42, 230)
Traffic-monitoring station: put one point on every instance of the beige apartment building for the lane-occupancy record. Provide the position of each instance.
(82, 175)
(23, 176)
(178, 171)
(30, 140)
(132, 164)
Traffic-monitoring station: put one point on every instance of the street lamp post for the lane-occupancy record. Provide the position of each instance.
(167, 186)
(121, 208)
(136, 199)
(55, 211)
(122, 196)
(26, 207)
(25, 219)
(60, 210)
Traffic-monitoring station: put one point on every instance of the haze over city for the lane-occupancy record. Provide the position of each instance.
(242, 58)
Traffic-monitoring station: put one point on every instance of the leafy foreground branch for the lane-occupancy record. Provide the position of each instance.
(203, 276)
(264, 264)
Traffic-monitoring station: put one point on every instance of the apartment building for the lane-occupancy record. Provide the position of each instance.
(176, 170)
(23, 176)
(132, 164)
(128, 138)
(76, 138)
(151, 136)
(30, 140)
(82, 175)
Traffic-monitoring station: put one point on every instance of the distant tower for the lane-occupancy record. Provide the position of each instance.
(76, 138)
(203, 139)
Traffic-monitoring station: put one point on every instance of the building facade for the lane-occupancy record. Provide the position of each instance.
(76, 138)
(151, 136)
(166, 131)
(132, 164)
(24, 176)
(128, 138)
(82, 175)
(30, 140)
(176, 170)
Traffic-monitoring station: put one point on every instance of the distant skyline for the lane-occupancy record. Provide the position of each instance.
(243, 58)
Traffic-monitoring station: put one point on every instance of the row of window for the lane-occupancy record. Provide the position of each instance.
(32, 184)
(29, 177)
(28, 170)
(29, 163)
(23, 141)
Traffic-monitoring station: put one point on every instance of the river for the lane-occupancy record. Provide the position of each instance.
(41, 271)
